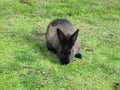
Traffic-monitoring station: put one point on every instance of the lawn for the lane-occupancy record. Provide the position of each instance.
(25, 62)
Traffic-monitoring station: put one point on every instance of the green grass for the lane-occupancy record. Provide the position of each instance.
(26, 64)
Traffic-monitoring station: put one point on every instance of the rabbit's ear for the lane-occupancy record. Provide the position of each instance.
(73, 38)
(61, 36)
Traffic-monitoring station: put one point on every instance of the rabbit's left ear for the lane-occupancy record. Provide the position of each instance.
(73, 37)
(61, 36)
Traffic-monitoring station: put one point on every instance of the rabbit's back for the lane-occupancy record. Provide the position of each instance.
(66, 27)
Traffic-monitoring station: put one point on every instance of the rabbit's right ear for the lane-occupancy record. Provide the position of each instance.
(73, 38)
(61, 36)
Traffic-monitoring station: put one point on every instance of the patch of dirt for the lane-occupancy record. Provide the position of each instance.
(25, 2)
(37, 33)
(89, 49)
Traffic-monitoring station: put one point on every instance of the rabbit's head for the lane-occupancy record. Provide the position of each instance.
(65, 53)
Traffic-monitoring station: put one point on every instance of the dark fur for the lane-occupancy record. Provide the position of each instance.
(62, 39)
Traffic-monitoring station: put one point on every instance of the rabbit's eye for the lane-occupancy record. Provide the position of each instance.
(68, 52)
(62, 52)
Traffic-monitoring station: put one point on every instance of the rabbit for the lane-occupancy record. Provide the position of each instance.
(62, 39)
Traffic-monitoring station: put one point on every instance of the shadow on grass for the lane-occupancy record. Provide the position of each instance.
(39, 46)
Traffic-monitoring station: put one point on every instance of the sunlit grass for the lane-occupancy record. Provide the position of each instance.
(25, 62)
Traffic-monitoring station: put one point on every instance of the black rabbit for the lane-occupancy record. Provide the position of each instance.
(62, 39)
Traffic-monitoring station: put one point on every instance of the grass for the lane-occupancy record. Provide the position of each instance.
(26, 64)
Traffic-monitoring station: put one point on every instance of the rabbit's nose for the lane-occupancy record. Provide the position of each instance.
(65, 62)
